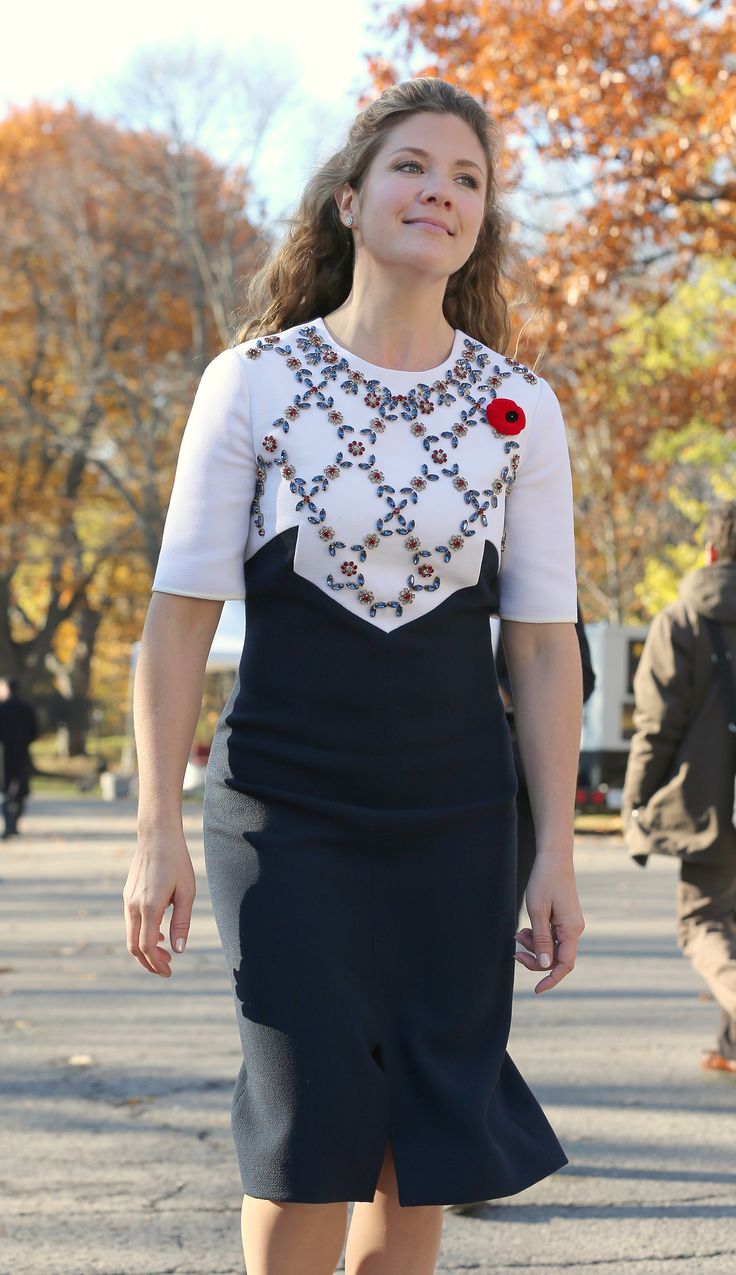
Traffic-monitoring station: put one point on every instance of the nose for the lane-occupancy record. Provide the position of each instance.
(438, 192)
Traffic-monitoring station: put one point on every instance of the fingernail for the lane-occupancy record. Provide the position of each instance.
(545, 960)
(178, 945)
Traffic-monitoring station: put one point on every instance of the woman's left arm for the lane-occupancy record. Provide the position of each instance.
(546, 678)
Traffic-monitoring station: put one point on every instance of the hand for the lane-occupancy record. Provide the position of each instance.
(161, 873)
(557, 922)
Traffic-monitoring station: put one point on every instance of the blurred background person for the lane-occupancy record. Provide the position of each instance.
(679, 788)
(18, 729)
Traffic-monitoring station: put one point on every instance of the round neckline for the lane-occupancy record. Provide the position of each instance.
(352, 357)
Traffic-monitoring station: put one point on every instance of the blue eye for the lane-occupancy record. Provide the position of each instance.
(414, 163)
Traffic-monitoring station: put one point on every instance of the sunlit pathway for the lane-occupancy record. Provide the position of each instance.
(115, 1085)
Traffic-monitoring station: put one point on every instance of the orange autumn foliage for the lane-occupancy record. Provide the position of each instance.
(619, 118)
(119, 263)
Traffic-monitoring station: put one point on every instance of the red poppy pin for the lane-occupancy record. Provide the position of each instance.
(505, 416)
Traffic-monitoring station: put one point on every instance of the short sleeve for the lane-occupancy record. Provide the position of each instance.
(537, 576)
(206, 528)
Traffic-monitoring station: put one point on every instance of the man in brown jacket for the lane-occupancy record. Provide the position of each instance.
(679, 788)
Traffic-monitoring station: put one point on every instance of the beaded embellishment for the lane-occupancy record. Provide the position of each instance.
(469, 386)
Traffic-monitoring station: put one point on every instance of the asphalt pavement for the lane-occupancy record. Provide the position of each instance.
(116, 1155)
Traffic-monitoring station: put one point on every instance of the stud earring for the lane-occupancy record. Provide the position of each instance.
(349, 219)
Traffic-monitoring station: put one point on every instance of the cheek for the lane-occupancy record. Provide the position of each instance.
(472, 211)
(381, 207)
(385, 194)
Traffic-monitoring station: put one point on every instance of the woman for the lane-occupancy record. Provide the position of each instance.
(359, 805)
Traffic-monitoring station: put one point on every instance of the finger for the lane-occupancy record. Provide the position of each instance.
(542, 940)
(158, 959)
(567, 953)
(564, 965)
(133, 927)
(555, 976)
(181, 919)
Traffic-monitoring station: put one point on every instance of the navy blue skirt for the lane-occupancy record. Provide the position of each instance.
(359, 824)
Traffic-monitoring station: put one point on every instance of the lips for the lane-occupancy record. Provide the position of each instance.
(429, 221)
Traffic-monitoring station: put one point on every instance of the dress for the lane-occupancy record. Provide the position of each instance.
(359, 803)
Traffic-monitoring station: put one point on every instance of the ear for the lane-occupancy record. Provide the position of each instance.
(344, 198)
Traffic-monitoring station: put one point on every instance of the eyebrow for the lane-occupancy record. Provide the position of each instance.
(417, 150)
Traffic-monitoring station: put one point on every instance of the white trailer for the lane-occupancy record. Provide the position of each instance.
(615, 650)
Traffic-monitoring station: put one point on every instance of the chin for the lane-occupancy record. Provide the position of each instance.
(440, 264)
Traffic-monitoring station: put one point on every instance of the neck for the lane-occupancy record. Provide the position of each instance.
(394, 325)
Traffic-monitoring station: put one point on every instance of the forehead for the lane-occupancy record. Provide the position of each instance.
(446, 136)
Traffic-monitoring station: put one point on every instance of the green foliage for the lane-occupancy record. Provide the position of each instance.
(663, 574)
(699, 453)
(683, 335)
(703, 472)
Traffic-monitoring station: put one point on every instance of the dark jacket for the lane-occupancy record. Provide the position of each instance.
(680, 770)
(18, 729)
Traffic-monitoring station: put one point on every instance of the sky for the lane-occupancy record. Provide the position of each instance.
(315, 53)
(318, 49)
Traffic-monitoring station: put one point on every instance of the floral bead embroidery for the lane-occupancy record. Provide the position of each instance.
(469, 370)
(523, 369)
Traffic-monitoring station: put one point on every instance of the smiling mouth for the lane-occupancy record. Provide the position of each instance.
(433, 225)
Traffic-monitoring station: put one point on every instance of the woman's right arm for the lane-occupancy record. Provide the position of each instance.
(167, 698)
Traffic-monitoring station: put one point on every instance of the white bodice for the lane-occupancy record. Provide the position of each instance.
(394, 480)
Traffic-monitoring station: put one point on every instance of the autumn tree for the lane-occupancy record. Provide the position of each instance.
(104, 334)
(619, 118)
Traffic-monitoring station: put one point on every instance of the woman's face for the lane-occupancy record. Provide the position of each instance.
(422, 200)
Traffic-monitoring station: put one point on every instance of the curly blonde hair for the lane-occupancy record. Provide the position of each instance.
(311, 272)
